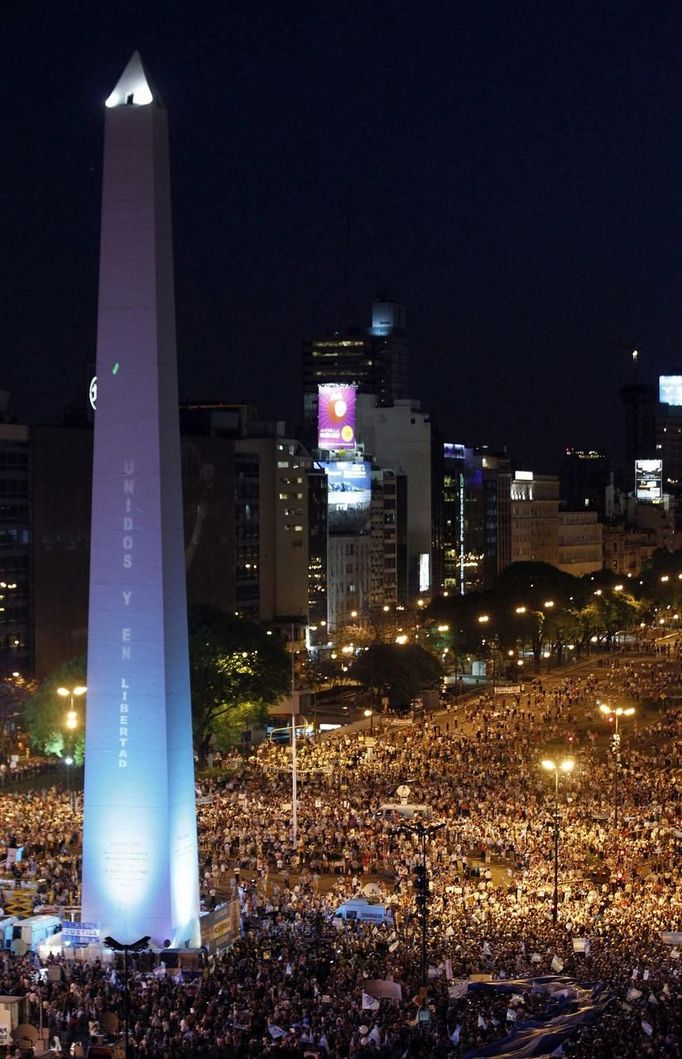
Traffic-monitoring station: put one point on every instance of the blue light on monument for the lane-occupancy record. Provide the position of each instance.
(140, 862)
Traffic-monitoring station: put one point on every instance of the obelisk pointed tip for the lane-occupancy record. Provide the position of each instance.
(134, 87)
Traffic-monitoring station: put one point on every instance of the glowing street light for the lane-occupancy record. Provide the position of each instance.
(566, 766)
(370, 715)
(617, 712)
(520, 610)
(483, 618)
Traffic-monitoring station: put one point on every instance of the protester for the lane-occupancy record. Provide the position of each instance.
(296, 981)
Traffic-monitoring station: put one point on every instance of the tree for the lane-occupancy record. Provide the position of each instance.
(237, 671)
(45, 713)
(400, 671)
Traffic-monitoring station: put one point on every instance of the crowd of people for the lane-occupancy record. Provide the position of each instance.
(302, 981)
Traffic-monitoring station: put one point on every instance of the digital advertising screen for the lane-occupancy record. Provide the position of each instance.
(648, 479)
(336, 417)
(349, 493)
(670, 389)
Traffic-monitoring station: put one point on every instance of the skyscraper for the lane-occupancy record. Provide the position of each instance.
(375, 361)
(140, 867)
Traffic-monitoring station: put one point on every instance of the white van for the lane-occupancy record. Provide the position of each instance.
(363, 912)
(36, 929)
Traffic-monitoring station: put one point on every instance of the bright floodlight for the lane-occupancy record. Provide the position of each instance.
(629, 712)
(520, 610)
(80, 690)
(368, 713)
(604, 708)
(483, 618)
(64, 692)
(567, 765)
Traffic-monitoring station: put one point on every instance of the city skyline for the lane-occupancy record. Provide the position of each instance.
(510, 179)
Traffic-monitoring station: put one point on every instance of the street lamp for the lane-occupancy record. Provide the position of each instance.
(566, 766)
(618, 712)
(119, 946)
(70, 723)
(68, 693)
(370, 713)
(422, 831)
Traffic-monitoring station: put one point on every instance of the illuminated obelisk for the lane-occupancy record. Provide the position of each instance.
(140, 867)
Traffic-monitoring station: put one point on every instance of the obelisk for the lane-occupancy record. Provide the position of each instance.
(140, 864)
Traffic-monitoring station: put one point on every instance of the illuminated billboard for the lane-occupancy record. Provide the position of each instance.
(349, 495)
(670, 389)
(648, 479)
(336, 417)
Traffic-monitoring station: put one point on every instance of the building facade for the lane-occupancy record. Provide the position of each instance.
(534, 518)
(581, 542)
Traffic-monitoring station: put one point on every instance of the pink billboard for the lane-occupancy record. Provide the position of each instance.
(336, 417)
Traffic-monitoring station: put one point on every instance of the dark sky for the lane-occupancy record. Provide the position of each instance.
(515, 173)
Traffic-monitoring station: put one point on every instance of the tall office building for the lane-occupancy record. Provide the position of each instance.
(16, 636)
(476, 517)
(585, 476)
(400, 438)
(140, 857)
(639, 407)
(376, 361)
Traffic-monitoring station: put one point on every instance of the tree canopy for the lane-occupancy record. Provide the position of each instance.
(45, 713)
(399, 671)
(237, 671)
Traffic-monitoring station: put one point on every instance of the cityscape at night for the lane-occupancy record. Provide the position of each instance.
(341, 531)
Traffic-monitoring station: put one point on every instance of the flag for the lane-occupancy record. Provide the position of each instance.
(511, 1015)
(633, 994)
(276, 1031)
(370, 1003)
(557, 964)
(482, 1024)
(454, 1036)
(647, 1027)
(486, 949)
(651, 999)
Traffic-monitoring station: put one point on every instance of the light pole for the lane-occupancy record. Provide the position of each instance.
(370, 714)
(422, 831)
(566, 766)
(125, 948)
(618, 712)
(71, 723)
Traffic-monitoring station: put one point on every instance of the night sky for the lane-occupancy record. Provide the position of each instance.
(514, 174)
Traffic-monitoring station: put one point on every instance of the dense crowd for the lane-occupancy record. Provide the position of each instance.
(301, 981)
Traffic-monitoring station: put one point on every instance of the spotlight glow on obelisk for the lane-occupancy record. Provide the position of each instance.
(140, 865)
